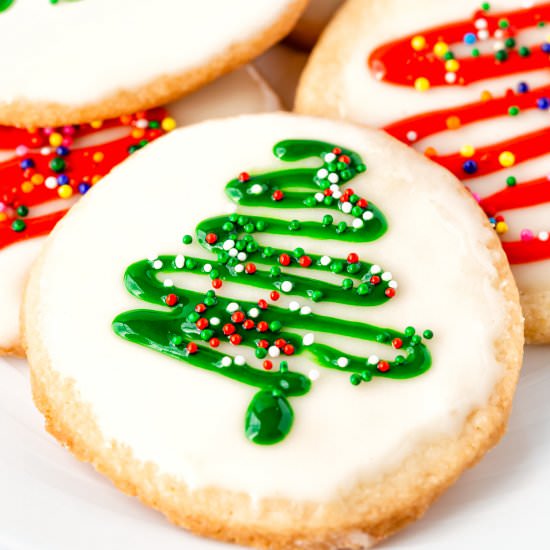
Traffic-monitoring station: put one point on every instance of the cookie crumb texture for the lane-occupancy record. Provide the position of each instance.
(146, 55)
(359, 457)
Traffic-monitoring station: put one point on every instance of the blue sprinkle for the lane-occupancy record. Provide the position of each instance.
(470, 167)
(523, 87)
(543, 103)
(27, 163)
(470, 38)
(62, 151)
(545, 47)
(62, 179)
(83, 188)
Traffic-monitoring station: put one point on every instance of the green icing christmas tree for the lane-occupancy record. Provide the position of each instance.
(194, 327)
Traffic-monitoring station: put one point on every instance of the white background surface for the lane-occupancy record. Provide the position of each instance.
(50, 501)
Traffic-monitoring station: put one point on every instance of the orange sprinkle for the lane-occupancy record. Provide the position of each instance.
(430, 152)
(138, 133)
(95, 179)
(486, 95)
(27, 187)
(126, 119)
(98, 156)
(453, 122)
(37, 179)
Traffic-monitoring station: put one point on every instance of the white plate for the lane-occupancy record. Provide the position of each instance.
(50, 501)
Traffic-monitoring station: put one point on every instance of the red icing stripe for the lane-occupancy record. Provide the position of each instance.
(388, 63)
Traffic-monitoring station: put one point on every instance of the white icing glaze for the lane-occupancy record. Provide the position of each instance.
(239, 92)
(189, 421)
(80, 52)
(365, 99)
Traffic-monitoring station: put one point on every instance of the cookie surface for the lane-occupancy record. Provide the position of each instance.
(44, 201)
(136, 54)
(313, 21)
(174, 390)
(471, 88)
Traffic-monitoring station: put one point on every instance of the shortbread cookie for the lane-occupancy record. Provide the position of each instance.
(292, 340)
(313, 21)
(43, 172)
(468, 84)
(72, 62)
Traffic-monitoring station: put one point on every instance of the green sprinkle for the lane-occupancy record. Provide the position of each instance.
(428, 334)
(57, 164)
(209, 301)
(190, 263)
(228, 226)
(18, 226)
(207, 334)
(355, 379)
(475, 52)
(249, 228)
(260, 353)
(513, 111)
(275, 326)
(347, 284)
(504, 23)
(327, 201)
(524, 51)
(341, 227)
(448, 55)
(337, 267)
(363, 289)
(501, 55)
(510, 42)
(316, 295)
(327, 220)
(511, 181)
(275, 271)
(298, 252)
(366, 376)
(22, 211)
(193, 317)
(294, 225)
(410, 331)
(176, 340)
(187, 239)
(353, 268)
(485, 6)
(260, 225)
(268, 252)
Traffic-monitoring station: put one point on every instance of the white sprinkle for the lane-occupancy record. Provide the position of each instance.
(393, 284)
(357, 223)
(450, 78)
(239, 360)
(152, 257)
(325, 260)
(215, 321)
(157, 264)
(373, 360)
(342, 362)
(319, 197)
(229, 244)
(256, 189)
(480, 23)
(180, 261)
(294, 306)
(239, 268)
(306, 310)
(45, 151)
(336, 194)
(313, 375)
(333, 178)
(241, 256)
(322, 173)
(233, 252)
(207, 268)
(329, 157)
(142, 123)
(232, 307)
(334, 188)
(274, 351)
(226, 361)
(368, 215)
(483, 35)
(412, 135)
(498, 45)
(375, 269)
(543, 236)
(287, 286)
(51, 182)
(346, 207)
(387, 276)
(168, 282)
(254, 312)
(308, 339)
(499, 33)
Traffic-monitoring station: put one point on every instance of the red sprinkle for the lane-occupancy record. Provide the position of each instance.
(237, 317)
(202, 323)
(211, 238)
(383, 366)
(262, 304)
(397, 343)
(288, 349)
(262, 326)
(263, 344)
(267, 364)
(217, 283)
(344, 158)
(280, 342)
(250, 269)
(337, 151)
(390, 292)
(274, 295)
(228, 329)
(362, 203)
(375, 280)
(171, 300)
(353, 258)
(304, 261)
(278, 195)
(244, 176)
(214, 342)
(284, 259)
(192, 348)
(200, 308)
(248, 324)
(235, 339)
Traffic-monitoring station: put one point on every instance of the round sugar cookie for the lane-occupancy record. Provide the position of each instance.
(470, 87)
(292, 340)
(31, 204)
(70, 62)
(313, 21)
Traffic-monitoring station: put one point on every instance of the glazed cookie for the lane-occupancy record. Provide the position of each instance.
(313, 21)
(43, 172)
(72, 62)
(293, 340)
(468, 85)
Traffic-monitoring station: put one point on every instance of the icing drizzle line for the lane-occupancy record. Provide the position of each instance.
(430, 62)
(269, 330)
(46, 174)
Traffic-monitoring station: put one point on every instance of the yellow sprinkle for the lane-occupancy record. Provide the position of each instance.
(501, 227)
(95, 179)
(96, 124)
(453, 122)
(422, 84)
(168, 124)
(452, 65)
(418, 43)
(65, 191)
(507, 158)
(467, 151)
(486, 95)
(37, 179)
(138, 133)
(3, 217)
(440, 49)
(27, 187)
(56, 139)
(98, 157)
